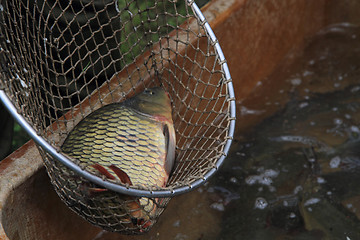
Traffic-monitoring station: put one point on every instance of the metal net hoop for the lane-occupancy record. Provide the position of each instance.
(62, 60)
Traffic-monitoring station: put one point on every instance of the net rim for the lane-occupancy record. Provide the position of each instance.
(132, 191)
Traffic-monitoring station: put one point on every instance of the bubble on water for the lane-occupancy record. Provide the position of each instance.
(218, 206)
(245, 111)
(335, 162)
(355, 89)
(303, 104)
(247, 145)
(240, 154)
(264, 178)
(307, 73)
(272, 189)
(251, 180)
(310, 141)
(181, 236)
(298, 189)
(261, 203)
(234, 180)
(321, 180)
(338, 121)
(329, 193)
(295, 81)
(311, 159)
(176, 223)
(311, 201)
(292, 215)
(349, 205)
(355, 129)
(271, 173)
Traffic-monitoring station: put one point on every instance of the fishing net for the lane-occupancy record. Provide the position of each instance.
(62, 60)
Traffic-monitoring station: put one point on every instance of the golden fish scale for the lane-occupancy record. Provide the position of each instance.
(116, 135)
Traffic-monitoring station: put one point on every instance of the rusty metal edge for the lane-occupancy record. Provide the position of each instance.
(15, 170)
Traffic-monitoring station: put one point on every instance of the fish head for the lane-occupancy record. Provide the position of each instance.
(152, 102)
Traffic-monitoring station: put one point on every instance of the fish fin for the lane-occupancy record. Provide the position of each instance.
(91, 191)
(138, 217)
(124, 178)
(103, 171)
(170, 148)
(166, 135)
(97, 190)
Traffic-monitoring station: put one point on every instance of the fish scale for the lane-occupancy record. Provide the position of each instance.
(121, 152)
(133, 142)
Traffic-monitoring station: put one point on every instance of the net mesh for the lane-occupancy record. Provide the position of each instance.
(62, 60)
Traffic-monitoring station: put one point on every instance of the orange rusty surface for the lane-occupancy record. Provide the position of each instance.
(34, 211)
(15, 155)
(46, 217)
(258, 34)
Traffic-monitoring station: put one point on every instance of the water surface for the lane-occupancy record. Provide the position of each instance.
(296, 174)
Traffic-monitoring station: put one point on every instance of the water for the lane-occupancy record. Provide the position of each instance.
(296, 173)
(298, 170)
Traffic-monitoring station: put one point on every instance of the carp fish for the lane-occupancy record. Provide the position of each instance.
(132, 142)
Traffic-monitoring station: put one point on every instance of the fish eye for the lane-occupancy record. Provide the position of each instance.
(148, 91)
